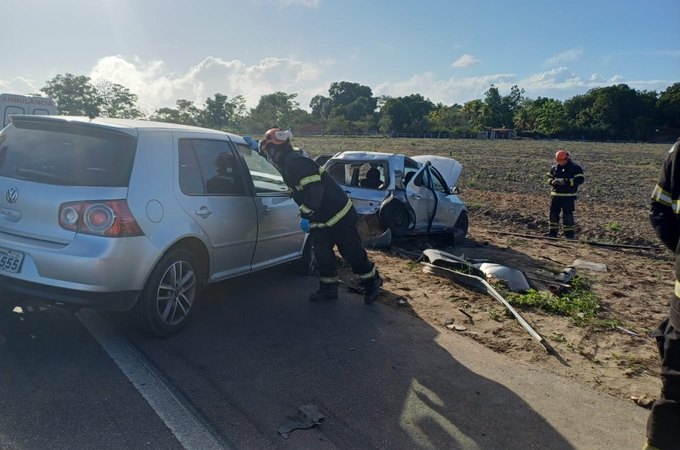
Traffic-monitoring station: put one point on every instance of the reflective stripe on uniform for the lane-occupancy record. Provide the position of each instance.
(659, 195)
(308, 180)
(335, 219)
(305, 209)
(559, 194)
(329, 280)
(677, 289)
(368, 275)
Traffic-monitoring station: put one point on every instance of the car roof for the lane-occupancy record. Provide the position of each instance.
(365, 156)
(125, 125)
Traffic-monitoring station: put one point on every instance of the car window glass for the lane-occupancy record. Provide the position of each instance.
(190, 179)
(410, 169)
(73, 156)
(371, 176)
(266, 178)
(439, 182)
(219, 167)
(337, 171)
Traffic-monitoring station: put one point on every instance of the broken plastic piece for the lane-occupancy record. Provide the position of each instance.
(515, 279)
(589, 265)
(307, 417)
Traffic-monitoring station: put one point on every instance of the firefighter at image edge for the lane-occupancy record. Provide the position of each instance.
(326, 213)
(663, 424)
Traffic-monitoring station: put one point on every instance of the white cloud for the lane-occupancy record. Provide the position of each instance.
(156, 88)
(453, 90)
(20, 85)
(465, 61)
(564, 57)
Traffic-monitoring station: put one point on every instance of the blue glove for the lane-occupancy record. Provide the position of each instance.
(304, 225)
(252, 143)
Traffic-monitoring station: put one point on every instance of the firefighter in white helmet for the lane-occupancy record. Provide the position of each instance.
(326, 213)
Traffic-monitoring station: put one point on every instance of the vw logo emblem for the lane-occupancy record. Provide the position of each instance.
(12, 194)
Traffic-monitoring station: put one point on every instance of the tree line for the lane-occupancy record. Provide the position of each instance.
(604, 113)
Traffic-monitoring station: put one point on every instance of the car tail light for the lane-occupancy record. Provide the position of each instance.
(111, 218)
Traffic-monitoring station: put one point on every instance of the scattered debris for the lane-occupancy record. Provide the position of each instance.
(466, 314)
(566, 275)
(307, 417)
(589, 265)
(453, 267)
(459, 327)
(643, 400)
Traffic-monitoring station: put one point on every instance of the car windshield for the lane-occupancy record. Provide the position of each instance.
(73, 156)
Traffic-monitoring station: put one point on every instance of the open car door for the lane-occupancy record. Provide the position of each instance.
(421, 198)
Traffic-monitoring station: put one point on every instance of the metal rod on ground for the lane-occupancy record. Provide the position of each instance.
(601, 244)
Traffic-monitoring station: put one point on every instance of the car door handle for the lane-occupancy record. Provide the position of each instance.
(416, 196)
(203, 212)
(265, 210)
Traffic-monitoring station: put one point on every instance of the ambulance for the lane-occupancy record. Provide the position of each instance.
(25, 104)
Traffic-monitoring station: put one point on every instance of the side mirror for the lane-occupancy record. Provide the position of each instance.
(454, 190)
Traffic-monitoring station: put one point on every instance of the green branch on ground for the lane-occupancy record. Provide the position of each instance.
(578, 303)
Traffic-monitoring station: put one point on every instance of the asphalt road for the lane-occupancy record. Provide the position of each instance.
(257, 351)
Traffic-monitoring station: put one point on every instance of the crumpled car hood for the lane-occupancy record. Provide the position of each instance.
(449, 168)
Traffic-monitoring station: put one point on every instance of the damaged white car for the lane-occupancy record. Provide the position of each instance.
(397, 195)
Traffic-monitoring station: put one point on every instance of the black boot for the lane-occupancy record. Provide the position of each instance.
(372, 288)
(327, 291)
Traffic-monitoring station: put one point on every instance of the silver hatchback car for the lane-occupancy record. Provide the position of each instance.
(137, 215)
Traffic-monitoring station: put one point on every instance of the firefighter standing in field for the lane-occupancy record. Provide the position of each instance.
(663, 424)
(565, 176)
(326, 213)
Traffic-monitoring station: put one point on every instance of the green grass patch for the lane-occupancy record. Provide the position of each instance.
(413, 265)
(578, 303)
(612, 226)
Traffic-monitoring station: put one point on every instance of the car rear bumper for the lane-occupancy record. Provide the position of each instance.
(20, 290)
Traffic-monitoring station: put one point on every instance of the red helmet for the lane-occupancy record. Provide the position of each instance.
(562, 155)
(275, 136)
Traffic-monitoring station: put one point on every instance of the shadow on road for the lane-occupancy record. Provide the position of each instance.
(258, 350)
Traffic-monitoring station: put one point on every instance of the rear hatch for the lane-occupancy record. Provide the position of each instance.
(47, 161)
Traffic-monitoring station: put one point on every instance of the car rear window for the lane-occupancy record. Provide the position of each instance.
(66, 154)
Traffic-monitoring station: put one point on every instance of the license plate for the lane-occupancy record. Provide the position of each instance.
(10, 261)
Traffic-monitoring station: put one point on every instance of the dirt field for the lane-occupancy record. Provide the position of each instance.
(503, 185)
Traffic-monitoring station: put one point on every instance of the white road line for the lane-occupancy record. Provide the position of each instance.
(186, 427)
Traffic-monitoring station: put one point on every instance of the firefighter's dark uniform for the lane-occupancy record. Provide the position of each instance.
(563, 197)
(663, 425)
(332, 219)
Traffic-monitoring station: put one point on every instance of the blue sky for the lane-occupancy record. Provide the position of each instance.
(449, 51)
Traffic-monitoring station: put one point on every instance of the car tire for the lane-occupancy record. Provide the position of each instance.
(171, 293)
(394, 216)
(307, 264)
(457, 234)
